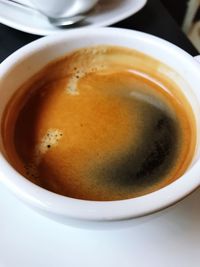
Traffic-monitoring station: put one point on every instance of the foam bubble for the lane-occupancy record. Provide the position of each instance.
(72, 83)
(90, 60)
(31, 171)
(49, 140)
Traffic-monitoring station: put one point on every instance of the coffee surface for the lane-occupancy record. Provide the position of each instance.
(100, 124)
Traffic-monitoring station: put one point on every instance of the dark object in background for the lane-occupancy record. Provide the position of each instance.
(187, 15)
(185, 12)
(176, 8)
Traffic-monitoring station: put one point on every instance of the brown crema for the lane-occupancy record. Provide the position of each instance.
(102, 123)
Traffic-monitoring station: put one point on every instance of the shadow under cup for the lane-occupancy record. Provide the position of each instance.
(26, 64)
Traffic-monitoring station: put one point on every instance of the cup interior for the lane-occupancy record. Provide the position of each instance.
(26, 62)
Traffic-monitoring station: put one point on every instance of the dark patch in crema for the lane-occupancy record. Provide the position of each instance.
(153, 157)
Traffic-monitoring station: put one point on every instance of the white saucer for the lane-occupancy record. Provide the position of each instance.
(107, 12)
(28, 239)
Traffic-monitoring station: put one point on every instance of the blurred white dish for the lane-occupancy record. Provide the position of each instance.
(104, 14)
(63, 8)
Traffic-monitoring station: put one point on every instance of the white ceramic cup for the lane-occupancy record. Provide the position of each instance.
(25, 62)
(63, 8)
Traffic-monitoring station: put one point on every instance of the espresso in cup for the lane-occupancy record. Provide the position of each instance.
(102, 123)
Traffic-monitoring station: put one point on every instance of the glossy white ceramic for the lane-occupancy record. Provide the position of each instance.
(28, 60)
(105, 13)
(63, 8)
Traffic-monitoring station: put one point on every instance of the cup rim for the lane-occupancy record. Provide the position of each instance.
(97, 210)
